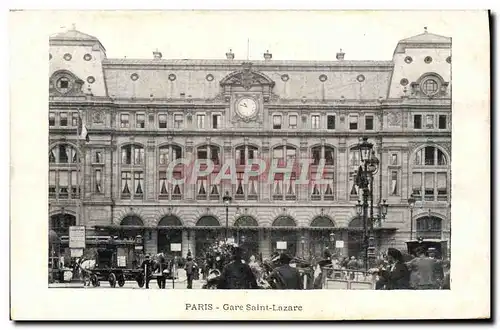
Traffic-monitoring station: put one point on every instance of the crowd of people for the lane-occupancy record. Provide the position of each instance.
(391, 271)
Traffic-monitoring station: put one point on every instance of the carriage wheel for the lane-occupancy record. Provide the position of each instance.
(140, 281)
(112, 280)
(121, 280)
(94, 281)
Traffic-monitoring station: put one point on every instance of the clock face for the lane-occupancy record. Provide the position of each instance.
(246, 107)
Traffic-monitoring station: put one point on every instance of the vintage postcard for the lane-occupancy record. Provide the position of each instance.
(265, 165)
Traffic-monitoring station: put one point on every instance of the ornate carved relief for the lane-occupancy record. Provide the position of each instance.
(98, 117)
(394, 118)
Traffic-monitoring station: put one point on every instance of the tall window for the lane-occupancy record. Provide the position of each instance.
(281, 188)
(394, 183)
(206, 186)
(330, 122)
(74, 119)
(63, 119)
(140, 120)
(216, 121)
(162, 121)
(245, 153)
(442, 122)
(245, 190)
(98, 181)
(62, 179)
(200, 119)
(353, 122)
(354, 162)
(430, 174)
(315, 121)
(292, 121)
(320, 190)
(124, 120)
(369, 122)
(166, 188)
(429, 121)
(132, 164)
(277, 122)
(417, 121)
(52, 119)
(178, 121)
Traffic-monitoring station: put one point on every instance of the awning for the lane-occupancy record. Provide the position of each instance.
(170, 227)
(207, 227)
(246, 227)
(119, 227)
(324, 228)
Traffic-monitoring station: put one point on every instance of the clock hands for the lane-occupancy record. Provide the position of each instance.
(244, 105)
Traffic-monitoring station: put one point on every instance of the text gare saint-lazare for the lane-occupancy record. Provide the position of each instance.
(244, 307)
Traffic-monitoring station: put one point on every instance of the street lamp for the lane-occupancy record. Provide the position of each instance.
(364, 180)
(227, 200)
(303, 244)
(411, 204)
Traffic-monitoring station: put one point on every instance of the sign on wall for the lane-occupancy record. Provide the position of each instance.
(77, 237)
(121, 261)
(175, 247)
(76, 253)
(281, 245)
(339, 244)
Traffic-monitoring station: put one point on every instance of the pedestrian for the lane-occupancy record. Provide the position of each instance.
(424, 271)
(236, 274)
(146, 268)
(191, 268)
(286, 277)
(397, 277)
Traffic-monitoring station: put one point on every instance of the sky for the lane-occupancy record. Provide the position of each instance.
(288, 35)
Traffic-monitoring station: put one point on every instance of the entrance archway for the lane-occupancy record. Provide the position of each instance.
(429, 227)
(131, 226)
(209, 231)
(319, 238)
(246, 235)
(61, 222)
(284, 229)
(355, 238)
(169, 231)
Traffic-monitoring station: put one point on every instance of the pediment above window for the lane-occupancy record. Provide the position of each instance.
(247, 79)
(65, 83)
(430, 85)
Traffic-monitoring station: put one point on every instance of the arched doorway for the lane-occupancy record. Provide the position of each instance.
(284, 229)
(429, 227)
(59, 227)
(208, 232)
(169, 231)
(131, 227)
(319, 239)
(246, 235)
(355, 238)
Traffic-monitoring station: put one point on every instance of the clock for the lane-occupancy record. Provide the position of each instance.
(246, 107)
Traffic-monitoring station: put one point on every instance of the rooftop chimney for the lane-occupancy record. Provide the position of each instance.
(157, 55)
(340, 55)
(230, 55)
(267, 55)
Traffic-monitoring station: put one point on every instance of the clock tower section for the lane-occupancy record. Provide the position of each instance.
(247, 91)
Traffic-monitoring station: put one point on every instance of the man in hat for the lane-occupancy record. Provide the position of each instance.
(423, 271)
(287, 277)
(236, 274)
(146, 267)
(190, 268)
(397, 277)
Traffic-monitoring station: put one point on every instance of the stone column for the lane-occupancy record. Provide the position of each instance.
(303, 189)
(185, 243)
(264, 184)
(345, 237)
(189, 192)
(151, 245)
(342, 168)
(264, 243)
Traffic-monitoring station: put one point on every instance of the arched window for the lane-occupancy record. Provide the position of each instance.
(323, 222)
(430, 177)
(63, 154)
(284, 188)
(166, 188)
(429, 227)
(246, 221)
(61, 222)
(322, 155)
(244, 155)
(63, 183)
(132, 174)
(284, 221)
(208, 221)
(169, 231)
(206, 186)
(132, 220)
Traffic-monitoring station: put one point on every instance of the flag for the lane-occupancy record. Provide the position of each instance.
(82, 128)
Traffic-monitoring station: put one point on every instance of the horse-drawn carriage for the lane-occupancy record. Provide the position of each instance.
(113, 260)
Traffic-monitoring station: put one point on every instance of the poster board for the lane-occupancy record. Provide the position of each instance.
(339, 244)
(77, 237)
(281, 245)
(121, 261)
(76, 253)
(177, 247)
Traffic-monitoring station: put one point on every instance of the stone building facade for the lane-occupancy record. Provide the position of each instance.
(141, 114)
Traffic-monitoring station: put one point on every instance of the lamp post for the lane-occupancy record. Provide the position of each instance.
(227, 200)
(364, 180)
(303, 244)
(411, 204)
